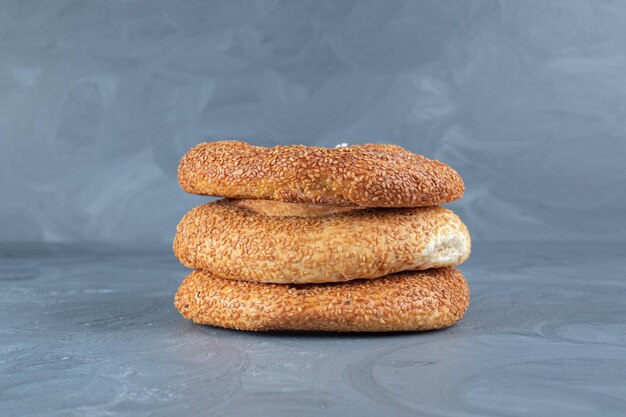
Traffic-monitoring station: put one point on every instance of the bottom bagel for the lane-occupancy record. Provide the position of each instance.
(406, 301)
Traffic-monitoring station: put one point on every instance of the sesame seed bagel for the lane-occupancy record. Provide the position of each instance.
(240, 243)
(360, 175)
(408, 301)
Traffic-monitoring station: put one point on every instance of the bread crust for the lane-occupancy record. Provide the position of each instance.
(236, 242)
(361, 175)
(281, 209)
(407, 301)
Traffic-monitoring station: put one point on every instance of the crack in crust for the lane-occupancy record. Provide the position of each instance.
(361, 175)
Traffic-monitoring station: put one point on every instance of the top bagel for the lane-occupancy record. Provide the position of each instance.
(360, 175)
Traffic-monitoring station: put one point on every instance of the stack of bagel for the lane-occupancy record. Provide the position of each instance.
(321, 239)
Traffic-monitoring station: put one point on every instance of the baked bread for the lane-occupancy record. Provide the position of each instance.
(232, 240)
(360, 175)
(408, 301)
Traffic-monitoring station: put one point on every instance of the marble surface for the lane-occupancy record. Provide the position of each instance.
(92, 331)
(99, 100)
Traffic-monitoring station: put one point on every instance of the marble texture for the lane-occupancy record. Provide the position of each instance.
(92, 331)
(99, 100)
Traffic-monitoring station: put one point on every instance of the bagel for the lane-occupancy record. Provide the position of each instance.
(237, 242)
(360, 175)
(408, 301)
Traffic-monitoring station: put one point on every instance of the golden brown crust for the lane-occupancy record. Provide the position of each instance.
(408, 301)
(360, 175)
(238, 243)
(282, 209)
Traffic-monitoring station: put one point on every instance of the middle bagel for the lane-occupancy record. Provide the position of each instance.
(276, 242)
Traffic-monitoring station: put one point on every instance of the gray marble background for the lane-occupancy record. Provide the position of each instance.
(99, 100)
